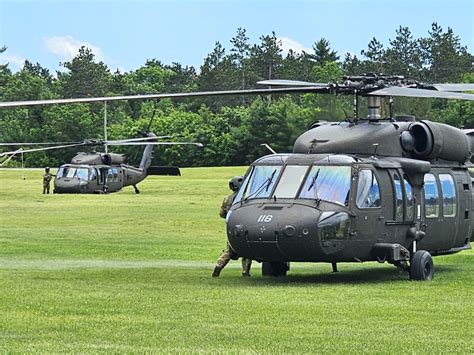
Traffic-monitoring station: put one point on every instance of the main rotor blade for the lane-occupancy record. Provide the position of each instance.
(158, 143)
(308, 89)
(284, 82)
(411, 92)
(26, 143)
(454, 87)
(135, 139)
(41, 149)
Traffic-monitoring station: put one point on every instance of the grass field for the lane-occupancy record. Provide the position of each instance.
(131, 273)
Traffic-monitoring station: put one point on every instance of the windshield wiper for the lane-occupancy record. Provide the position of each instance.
(266, 184)
(270, 179)
(314, 180)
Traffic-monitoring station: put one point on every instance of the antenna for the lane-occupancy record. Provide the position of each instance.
(375, 145)
(356, 105)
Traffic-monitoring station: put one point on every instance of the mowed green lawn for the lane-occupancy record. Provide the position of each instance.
(131, 273)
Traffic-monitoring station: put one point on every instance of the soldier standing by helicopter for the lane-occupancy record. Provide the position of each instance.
(47, 176)
(228, 253)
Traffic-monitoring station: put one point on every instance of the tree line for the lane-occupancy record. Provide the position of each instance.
(231, 128)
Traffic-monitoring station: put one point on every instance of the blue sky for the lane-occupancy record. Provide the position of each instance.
(125, 33)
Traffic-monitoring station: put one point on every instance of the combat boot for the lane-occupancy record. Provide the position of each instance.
(246, 264)
(217, 271)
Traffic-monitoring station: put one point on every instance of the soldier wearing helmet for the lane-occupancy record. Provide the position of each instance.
(228, 253)
(47, 176)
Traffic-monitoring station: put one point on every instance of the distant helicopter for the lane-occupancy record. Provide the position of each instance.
(366, 189)
(106, 172)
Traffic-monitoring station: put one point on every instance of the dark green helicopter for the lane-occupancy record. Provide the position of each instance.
(366, 189)
(99, 172)
(388, 190)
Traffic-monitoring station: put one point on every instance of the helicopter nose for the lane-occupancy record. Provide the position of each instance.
(288, 232)
(275, 232)
(66, 185)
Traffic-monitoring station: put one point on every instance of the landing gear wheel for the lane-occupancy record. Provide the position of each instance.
(421, 266)
(275, 268)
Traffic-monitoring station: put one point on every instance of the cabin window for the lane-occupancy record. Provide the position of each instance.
(409, 200)
(397, 185)
(431, 196)
(448, 191)
(110, 175)
(259, 183)
(328, 183)
(290, 181)
(368, 192)
(115, 174)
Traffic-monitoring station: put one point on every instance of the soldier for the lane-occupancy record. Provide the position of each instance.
(46, 180)
(228, 253)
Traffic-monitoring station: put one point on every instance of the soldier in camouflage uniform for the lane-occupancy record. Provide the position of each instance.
(46, 180)
(228, 253)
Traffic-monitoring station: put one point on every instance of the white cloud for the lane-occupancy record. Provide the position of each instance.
(67, 47)
(14, 61)
(288, 43)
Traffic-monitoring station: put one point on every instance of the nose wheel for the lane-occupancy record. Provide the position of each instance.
(421, 266)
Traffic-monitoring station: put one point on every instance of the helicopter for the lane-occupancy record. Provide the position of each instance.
(389, 190)
(392, 189)
(99, 172)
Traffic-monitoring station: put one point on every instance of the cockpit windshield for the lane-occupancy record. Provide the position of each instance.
(259, 183)
(328, 183)
(71, 172)
(290, 181)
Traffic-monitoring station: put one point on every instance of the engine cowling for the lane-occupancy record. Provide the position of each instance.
(431, 140)
(112, 159)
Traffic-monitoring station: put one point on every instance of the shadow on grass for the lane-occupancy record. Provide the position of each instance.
(359, 276)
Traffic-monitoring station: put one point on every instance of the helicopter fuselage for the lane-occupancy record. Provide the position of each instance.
(352, 221)
(73, 178)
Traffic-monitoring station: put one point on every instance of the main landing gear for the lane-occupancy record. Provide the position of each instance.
(275, 268)
(421, 266)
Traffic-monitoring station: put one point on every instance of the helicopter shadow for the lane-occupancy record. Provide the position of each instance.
(344, 277)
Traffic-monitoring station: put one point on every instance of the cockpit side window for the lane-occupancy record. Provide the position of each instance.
(93, 174)
(368, 192)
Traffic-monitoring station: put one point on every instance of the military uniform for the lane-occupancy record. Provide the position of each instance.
(46, 181)
(228, 253)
